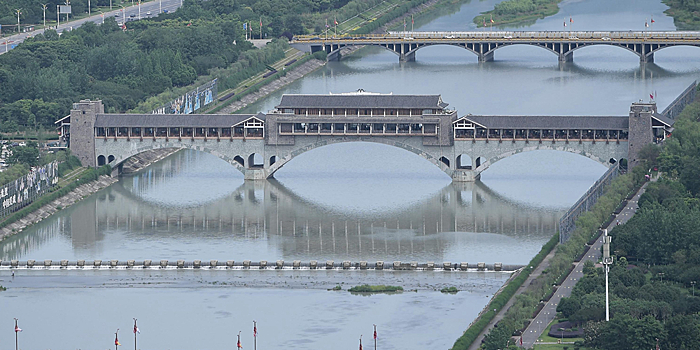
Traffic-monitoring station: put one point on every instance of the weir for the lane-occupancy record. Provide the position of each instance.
(255, 265)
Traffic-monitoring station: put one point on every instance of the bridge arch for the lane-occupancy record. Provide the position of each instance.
(483, 163)
(442, 161)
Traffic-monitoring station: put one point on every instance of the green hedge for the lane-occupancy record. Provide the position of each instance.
(255, 87)
(89, 175)
(502, 298)
(398, 11)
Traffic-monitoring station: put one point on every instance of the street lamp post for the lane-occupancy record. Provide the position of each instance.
(89, 13)
(607, 261)
(139, 9)
(161, 7)
(692, 284)
(110, 5)
(19, 12)
(44, 6)
(661, 274)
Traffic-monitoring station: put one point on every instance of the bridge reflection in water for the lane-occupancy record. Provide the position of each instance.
(269, 214)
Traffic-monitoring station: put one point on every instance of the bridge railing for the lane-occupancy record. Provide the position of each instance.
(567, 223)
(543, 35)
(676, 107)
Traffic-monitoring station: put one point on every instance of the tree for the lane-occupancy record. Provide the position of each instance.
(28, 154)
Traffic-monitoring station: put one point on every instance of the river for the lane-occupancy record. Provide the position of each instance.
(355, 201)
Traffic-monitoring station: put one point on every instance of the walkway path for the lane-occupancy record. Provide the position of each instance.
(549, 311)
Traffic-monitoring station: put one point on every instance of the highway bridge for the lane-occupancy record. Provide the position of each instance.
(484, 43)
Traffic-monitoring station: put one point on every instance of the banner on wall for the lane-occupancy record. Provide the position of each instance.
(191, 101)
(23, 191)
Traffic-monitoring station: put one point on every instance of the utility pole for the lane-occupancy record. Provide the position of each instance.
(44, 7)
(58, 17)
(161, 7)
(692, 283)
(110, 5)
(607, 261)
(139, 9)
(19, 12)
(89, 8)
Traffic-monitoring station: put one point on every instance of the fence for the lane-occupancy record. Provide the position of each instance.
(567, 223)
(676, 107)
(23, 191)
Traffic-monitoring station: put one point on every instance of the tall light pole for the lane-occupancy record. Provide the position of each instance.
(44, 6)
(161, 7)
(692, 283)
(19, 12)
(139, 9)
(110, 5)
(123, 14)
(607, 261)
(88, 8)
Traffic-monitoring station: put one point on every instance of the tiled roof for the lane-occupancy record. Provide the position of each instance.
(173, 120)
(362, 101)
(550, 122)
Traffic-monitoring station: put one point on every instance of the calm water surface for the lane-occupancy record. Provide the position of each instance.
(354, 201)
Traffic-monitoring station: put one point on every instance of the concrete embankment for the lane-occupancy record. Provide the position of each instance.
(145, 159)
(47, 210)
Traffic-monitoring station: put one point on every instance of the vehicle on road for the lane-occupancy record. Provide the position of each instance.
(507, 37)
(132, 15)
(573, 38)
(448, 37)
(605, 38)
(116, 15)
(148, 13)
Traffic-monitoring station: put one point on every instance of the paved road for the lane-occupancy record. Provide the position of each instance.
(8, 43)
(549, 312)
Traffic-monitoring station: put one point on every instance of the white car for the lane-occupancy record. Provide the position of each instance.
(448, 37)
(148, 13)
(605, 38)
(573, 38)
(507, 37)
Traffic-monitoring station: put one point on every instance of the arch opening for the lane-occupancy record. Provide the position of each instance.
(445, 161)
(239, 160)
(101, 160)
(464, 162)
(273, 160)
(479, 161)
(110, 158)
(255, 161)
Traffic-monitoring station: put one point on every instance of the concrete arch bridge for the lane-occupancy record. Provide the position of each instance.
(462, 147)
(484, 43)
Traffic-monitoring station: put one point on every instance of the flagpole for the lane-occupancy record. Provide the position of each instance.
(135, 333)
(255, 335)
(116, 339)
(411, 23)
(375, 337)
(16, 342)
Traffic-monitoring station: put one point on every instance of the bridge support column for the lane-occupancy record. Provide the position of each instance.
(465, 176)
(333, 56)
(486, 57)
(646, 58)
(407, 57)
(566, 57)
(255, 174)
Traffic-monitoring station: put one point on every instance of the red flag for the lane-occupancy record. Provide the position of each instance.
(336, 21)
(651, 96)
(116, 340)
(255, 331)
(521, 341)
(571, 20)
(136, 330)
(17, 329)
(360, 343)
(238, 344)
(411, 19)
(652, 20)
(375, 334)
(261, 21)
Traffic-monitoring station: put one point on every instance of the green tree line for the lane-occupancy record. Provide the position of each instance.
(652, 284)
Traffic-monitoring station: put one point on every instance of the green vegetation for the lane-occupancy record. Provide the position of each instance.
(684, 13)
(338, 287)
(515, 11)
(366, 288)
(449, 290)
(2, 289)
(89, 175)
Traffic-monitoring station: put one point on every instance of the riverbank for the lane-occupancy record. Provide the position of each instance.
(684, 13)
(517, 11)
(60, 203)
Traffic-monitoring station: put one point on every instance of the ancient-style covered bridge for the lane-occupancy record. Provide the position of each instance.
(260, 144)
(484, 43)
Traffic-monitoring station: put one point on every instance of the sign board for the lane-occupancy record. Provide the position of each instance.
(64, 9)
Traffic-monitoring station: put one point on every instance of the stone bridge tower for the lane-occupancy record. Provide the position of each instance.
(82, 129)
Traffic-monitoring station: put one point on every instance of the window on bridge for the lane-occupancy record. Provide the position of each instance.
(339, 127)
(101, 160)
(601, 134)
(110, 158)
(273, 160)
(416, 128)
(404, 128)
(100, 132)
(480, 133)
(148, 132)
(365, 128)
(255, 161)
(464, 162)
(299, 127)
(239, 160)
(560, 134)
(479, 161)
(161, 132)
(213, 132)
(238, 131)
(494, 133)
(122, 132)
(587, 134)
(352, 128)
(520, 133)
(623, 135)
(225, 132)
(574, 134)
(547, 134)
(508, 133)
(135, 132)
(174, 132)
(445, 161)
(377, 128)
(111, 132)
(326, 127)
(313, 127)
(533, 134)
(391, 128)
(187, 132)
(613, 134)
(200, 132)
(430, 128)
